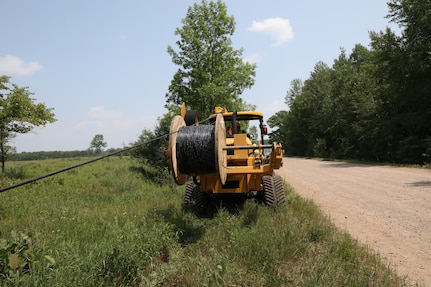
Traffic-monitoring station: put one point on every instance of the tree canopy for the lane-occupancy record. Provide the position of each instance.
(211, 72)
(18, 114)
(371, 104)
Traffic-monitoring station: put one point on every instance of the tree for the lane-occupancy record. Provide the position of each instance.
(278, 123)
(404, 70)
(373, 104)
(332, 114)
(18, 115)
(295, 90)
(97, 144)
(211, 72)
(151, 146)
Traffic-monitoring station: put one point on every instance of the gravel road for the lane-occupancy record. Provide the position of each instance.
(387, 208)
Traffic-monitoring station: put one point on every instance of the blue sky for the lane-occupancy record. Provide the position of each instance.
(103, 65)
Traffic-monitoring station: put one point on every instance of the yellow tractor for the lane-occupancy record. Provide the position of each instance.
(225, 157)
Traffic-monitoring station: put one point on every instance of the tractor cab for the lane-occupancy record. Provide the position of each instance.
(249, 124)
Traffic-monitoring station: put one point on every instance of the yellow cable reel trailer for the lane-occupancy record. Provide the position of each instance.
(228, 156)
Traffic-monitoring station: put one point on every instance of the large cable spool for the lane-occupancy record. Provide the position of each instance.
(197, 149)
(220, 143)
(176, 124)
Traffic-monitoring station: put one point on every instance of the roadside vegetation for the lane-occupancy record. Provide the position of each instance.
(371, 103)
(107, 224)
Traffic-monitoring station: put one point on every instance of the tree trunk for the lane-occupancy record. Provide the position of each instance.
(2, 157)
(2, 151)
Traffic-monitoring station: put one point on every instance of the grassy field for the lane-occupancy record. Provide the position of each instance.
(104, 224)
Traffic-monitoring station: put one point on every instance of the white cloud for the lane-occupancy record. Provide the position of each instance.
(274, 107)
(253, 58)
(113, 121)
(101, 113)
(118, 128)
(278, 28)
(13, 65)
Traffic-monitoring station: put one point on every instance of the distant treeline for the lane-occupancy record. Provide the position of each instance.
(373, 104)
(40, 155)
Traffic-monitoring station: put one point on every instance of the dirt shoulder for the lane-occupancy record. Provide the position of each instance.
(388, 208)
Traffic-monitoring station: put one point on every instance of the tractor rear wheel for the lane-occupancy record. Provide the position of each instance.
(279, 189)
(269, 194)
(193, 197)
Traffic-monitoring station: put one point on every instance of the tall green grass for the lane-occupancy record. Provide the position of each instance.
(104, 224)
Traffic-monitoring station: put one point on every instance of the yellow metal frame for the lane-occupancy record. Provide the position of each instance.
(244, 166)
(245, 169)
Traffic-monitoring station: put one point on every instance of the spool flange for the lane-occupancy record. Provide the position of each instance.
(220, 143)
(176, 124)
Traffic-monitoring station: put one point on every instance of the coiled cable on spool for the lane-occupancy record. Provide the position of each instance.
(195, 150)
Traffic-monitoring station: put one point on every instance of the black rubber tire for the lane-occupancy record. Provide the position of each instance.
(191, 117)
(279, 189)
(188, 194)
(269, 194)
(193, 197)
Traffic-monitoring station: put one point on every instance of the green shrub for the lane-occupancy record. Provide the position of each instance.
(18, 258)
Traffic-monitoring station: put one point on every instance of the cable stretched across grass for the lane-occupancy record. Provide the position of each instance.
(25, 182)
(76, 165)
